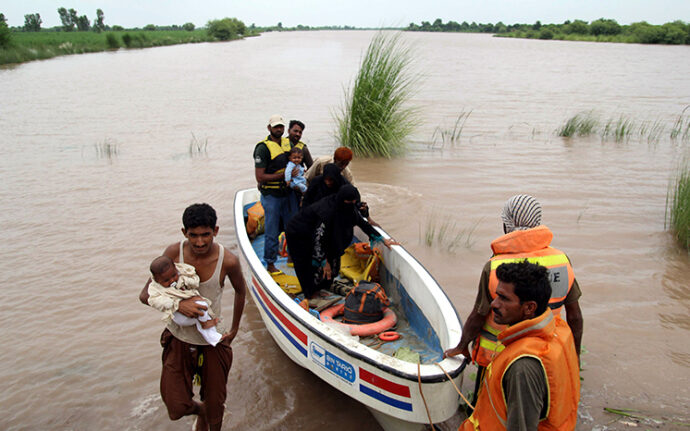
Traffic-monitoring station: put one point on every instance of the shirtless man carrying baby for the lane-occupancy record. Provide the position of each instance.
(182, 345)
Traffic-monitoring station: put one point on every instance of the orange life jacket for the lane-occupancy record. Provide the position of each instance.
(548, 339)
(533, 245)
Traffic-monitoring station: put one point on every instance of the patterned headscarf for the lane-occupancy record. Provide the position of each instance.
(521, 212)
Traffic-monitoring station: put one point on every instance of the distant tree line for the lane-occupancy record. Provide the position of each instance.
(72, 21)
(674, 33)
(300, 27)
(464, 27)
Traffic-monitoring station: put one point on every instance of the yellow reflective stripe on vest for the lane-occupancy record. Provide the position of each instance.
(490, 345)
(547, 261)
(276, 151)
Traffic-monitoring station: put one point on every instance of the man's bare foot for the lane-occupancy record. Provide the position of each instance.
(271, 268)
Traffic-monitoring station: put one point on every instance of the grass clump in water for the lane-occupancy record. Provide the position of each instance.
(376, 120)
(582, 124)
(620, 129)
(197, 147)
(441, 231)
(678, 206)
(451, 136)
(106, 150)
(681, 128)
(652, 131)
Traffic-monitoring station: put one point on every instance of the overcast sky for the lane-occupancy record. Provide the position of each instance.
(358, 13)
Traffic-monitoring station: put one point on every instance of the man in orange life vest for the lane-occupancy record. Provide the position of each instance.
(524, 237)
(534, 382)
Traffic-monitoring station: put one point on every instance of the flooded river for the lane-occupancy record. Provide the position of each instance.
(102, 152)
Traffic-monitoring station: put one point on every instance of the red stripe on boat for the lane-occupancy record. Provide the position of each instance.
(294, 329)
(384, 384)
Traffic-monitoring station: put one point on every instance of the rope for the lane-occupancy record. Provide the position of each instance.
(419, 380)
(455, 386)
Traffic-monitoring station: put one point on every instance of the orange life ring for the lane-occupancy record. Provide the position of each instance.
(389, 320)
(389, 336)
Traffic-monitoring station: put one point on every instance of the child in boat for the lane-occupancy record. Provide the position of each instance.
(295, 181)
(172, 282)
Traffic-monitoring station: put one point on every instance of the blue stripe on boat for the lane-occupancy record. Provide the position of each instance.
(385, 399)
(285, 332)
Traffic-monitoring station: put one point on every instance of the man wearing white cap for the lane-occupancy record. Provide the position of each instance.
(278, 201)
(525, 238)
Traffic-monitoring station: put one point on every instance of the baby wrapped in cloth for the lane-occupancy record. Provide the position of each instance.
(167, 299)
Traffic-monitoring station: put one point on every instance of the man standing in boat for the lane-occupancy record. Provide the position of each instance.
(524, 237)
(279, 201)
(534, 382)
(294, 135)
(185, 352)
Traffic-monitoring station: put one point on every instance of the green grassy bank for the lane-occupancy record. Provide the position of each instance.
(28, 46)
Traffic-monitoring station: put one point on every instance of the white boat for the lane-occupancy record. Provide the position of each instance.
(389, 387)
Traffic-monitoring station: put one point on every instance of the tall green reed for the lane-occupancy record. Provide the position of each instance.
(678, 206)
(376, 119)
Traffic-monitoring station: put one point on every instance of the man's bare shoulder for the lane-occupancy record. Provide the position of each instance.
(230, 260)
(173, 251)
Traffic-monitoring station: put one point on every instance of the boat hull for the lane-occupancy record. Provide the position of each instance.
(390, 388)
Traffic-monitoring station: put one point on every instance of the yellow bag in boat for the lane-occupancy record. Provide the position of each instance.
(255, 220)
(289, 283)
(357, 266)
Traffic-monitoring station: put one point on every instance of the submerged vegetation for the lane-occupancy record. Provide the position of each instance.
(376, 119)
(622, 128)
(601, 30)
(582, 124)
(678, 206)
(681, 128)
(196, 147)
(443, 232)
(619, 129)
(445, 136)
(106, 150)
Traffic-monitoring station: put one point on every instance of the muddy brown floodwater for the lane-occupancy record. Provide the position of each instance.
(96, 170)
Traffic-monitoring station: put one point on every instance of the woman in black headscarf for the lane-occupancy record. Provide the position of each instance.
(319, 234)
(324, 185)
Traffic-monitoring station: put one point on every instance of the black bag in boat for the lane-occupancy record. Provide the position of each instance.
(364, 303)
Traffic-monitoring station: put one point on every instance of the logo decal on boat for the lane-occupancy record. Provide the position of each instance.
(343, 369)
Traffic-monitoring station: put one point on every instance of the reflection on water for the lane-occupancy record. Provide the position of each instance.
(102, 153)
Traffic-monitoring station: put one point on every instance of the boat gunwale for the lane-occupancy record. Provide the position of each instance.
(425, 378)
